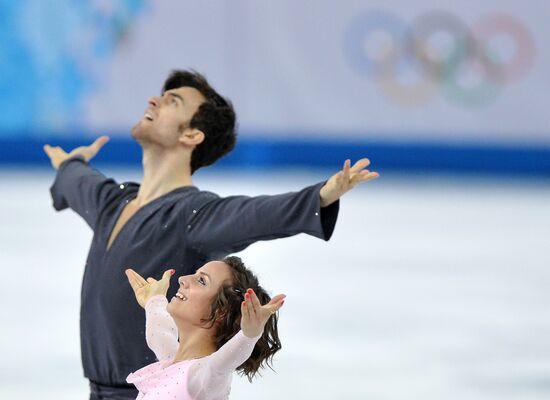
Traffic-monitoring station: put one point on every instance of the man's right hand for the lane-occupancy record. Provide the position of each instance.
(145, 289)
(58, 155)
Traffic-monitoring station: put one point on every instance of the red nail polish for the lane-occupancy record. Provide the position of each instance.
(249, 291)
(172, 271)
(282, 302)
(247, 295)
(244, 303)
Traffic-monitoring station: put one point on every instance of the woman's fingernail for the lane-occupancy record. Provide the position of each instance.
(247, 295)
(172, 271)
(282, 302)
(244, 303)
(249, 291)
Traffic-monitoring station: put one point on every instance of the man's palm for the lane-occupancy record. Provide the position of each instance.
(345, 180)
(58, 155)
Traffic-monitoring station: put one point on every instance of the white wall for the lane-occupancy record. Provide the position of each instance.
(287, 67)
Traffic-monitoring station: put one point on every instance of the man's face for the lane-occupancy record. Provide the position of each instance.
(167, 116)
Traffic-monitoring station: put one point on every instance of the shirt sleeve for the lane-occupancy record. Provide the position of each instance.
(231, 224)
(213, 377)
(81, 188)
(161, 332)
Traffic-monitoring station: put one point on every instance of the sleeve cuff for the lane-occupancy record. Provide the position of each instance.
(73, 158)
(328, 214)
(156, 300)
(252, 340)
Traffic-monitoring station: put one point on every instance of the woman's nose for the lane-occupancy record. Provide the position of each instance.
(153, 101)
(181, 281)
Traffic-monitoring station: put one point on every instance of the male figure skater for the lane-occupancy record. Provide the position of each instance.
(167, 222)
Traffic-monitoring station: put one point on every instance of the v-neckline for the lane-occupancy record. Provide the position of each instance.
(108, 246)
(123, 207)
(173, 363)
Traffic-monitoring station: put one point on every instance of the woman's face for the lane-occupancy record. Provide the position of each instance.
(196, 292)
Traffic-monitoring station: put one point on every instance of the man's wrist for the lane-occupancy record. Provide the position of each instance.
(324, 202)
(323, 198)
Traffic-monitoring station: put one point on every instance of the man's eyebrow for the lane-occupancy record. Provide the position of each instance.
(176, 95)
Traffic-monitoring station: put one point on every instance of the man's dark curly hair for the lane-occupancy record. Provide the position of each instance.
(215, 118)
(225, 312)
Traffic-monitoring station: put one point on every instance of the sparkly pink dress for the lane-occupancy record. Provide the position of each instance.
(207, 378)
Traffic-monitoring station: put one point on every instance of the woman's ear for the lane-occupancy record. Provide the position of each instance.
(191, 137)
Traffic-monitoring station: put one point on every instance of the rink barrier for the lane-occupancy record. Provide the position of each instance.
(275, 153)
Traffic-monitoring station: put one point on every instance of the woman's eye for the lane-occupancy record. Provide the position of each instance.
(202, 281)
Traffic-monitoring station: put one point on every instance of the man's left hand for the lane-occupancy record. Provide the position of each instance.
(345, 180)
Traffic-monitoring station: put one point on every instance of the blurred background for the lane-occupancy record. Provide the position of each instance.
(435, 284)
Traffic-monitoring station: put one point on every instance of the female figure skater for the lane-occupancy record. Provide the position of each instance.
(222, 327)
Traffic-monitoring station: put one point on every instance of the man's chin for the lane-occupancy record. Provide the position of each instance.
(138, 133)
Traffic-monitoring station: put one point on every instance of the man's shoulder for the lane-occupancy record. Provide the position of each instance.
(189, 195)
(207, 194)
(200, 197)
(197, 199)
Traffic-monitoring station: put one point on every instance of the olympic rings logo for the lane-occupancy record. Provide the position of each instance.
(442, 54)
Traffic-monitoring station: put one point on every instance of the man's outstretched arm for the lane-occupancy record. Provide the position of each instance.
(232, 223)
(76, 185)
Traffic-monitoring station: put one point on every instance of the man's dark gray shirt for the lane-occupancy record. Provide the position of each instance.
(182, 229)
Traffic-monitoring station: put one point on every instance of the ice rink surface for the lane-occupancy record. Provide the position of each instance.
(432, 288)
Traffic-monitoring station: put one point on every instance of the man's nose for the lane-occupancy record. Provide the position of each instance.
(153, 101)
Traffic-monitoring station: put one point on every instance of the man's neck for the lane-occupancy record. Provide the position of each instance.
(163, 171)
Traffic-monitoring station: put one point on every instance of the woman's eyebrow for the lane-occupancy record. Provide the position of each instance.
(208, 276)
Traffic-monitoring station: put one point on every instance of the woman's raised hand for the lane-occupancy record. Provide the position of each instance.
(254, 315)
(144, 289)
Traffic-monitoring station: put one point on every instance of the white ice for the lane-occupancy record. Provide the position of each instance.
(432, 288)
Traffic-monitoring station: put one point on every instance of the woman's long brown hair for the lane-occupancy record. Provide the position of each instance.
(225, 313)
